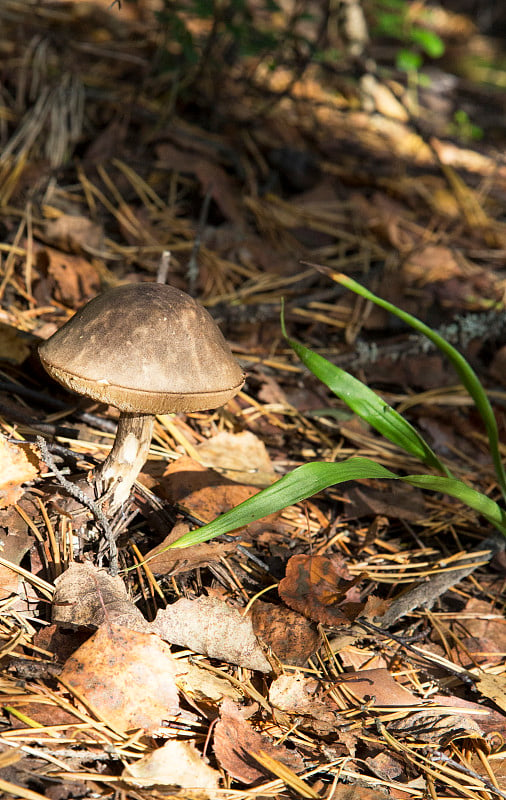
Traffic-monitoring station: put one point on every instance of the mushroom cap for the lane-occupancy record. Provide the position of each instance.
(145, 348)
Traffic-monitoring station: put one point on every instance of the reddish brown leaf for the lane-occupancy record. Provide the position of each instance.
(72, 278)
(172, 562)
(235, 740)
(292, 638)
(321, 588)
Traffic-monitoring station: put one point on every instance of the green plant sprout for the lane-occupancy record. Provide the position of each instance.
(464, 129)
(314, 477)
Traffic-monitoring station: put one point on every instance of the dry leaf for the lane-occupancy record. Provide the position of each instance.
(296, 695)
(213, 179)
(174, 764)
(15, 469)
(204, 493)
(430, 264)
(242, 457)
(202, 685)
(173, 562)
(74, 279)
(74, 233)
(493, 687)
(291, 637)
(235, 740)
(87, 595)
(126, 676)
(15, 542)
(209, 626)
(321, 588)
(377, 685)
(14, 345)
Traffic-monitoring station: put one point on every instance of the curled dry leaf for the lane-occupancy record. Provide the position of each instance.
(291, 637)
(321, 588)
(15, 469)
(235, 740)
(128, 677)
(209, 626)
(175, 764)
(87, 595)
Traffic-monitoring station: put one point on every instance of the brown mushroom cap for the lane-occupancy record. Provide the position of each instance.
(144, 348)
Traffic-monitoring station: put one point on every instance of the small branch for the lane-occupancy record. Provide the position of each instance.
(83, 498)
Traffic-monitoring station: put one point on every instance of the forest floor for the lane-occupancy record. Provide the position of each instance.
(349, 645)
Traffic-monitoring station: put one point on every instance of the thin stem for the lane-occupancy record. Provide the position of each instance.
(129, 452)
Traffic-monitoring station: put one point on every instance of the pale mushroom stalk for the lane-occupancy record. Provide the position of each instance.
(116, 476)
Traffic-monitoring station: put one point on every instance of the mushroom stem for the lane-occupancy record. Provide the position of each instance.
(129, 452)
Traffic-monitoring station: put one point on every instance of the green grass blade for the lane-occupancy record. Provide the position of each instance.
(465, 372)
(367, 405)
(454, 488)
(309, 479)
(302, 482)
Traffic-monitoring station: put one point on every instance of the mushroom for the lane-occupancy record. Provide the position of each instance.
(146, 349)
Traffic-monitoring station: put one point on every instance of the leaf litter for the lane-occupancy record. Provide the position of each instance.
(352, 644)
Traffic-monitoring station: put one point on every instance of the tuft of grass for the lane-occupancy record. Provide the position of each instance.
(314, 477)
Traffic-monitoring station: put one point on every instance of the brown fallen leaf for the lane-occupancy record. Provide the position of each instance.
(74, 233)
(15, 542)
(377, 685)
(292, 638)
(205, 493)
(15, 469)
(175, 764)
(126, 676)
(235, 740)
(204, 686)
(72, 279)
(489, 719)
(437, 726)
(211, 627)
(14, 344)
(86, 595)
(173, 562)
(305, 699)
(493, 687)
(356, 792)
(431, 263)
(321, 588)
(213, 179)
(241, 457)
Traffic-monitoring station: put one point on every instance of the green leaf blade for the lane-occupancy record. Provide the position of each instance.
(466, 494)
(368, 406)
(465, 372)
(301, 483)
